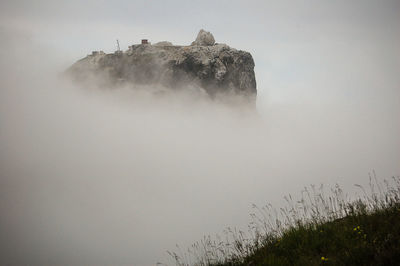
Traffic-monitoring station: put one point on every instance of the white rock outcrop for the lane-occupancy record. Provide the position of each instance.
(204, 38)
(216, 69)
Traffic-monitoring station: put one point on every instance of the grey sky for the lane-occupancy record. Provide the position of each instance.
(304, 50)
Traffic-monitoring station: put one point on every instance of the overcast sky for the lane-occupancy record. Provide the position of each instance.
(91, 178)
(305, 51)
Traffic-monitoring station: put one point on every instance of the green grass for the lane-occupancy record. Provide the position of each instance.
(357, 239)
(322, 228)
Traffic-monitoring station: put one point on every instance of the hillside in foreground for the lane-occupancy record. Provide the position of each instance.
(318, 229)
(358, 239)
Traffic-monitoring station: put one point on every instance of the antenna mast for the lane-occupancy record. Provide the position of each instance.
(118, 46)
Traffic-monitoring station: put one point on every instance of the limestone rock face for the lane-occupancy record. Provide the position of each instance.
(163, 43)
(215, 69)
(204, 38)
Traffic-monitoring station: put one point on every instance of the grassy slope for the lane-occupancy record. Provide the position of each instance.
(357, 239)
(319, 229)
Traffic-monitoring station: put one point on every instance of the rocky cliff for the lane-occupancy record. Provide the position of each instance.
(216, 69)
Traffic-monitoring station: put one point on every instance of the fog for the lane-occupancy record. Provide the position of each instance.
(116, 177)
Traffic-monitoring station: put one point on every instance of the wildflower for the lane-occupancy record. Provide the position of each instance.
(324, 259)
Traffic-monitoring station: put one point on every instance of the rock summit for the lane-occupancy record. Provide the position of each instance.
(213, 68)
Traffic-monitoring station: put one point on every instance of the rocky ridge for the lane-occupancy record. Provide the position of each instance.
(216, 69)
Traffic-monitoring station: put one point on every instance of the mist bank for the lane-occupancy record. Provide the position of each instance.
(117, 177)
